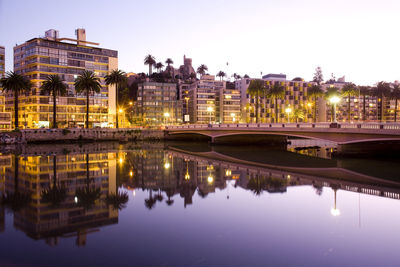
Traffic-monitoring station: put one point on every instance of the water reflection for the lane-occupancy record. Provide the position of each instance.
(62, 195)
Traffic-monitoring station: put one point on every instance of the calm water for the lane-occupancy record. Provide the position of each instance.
(191, 205)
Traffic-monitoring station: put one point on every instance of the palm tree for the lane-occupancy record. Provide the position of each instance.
(87, 82)
(202, 69)
(246, 76)
(169, 61)
(255, 90)
(381, 91)
(331, 92)
(298, 113)
(364, 91)
(277, 91)
(395, 95)
(349, 90)
(313, 93)
(221, 75)
(119, 79)
(56, 86)
(149, 60)
(159, 66)
(16, 84)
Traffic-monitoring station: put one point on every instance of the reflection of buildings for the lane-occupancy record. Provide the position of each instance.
(41, 220)
(5, 162)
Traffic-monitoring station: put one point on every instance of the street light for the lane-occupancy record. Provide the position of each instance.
(166, 116)
(288, 110)
(210, 109)
(335, 211)
(233, 117)
(334, 100)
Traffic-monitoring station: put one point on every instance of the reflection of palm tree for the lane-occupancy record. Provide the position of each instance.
(87, 196)
(256, 185)
(54, 195)
(318, 189)
(170, 193)
(150, 202)
(159, 196)
(117, 200)
(16, 201)
(201, 193)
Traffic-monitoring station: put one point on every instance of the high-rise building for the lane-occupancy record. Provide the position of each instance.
(39, 57)
(5, 117)
(159, 103)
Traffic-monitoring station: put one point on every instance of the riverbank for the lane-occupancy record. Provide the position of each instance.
(79, 135)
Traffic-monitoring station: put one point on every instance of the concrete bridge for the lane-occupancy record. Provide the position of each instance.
(345, 135)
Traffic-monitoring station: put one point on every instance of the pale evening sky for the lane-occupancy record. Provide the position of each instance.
(356, 38)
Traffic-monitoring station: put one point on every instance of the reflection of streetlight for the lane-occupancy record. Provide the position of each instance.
(288, 110)
(228, 172)
(130, 103)
(121, 160)
(210, 179)
(335, 211)
(334, 100)
(131, 173)
(210, 109)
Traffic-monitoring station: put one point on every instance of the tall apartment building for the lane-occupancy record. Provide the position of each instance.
(210, 101)
(295, 98)
(5, 117)
(159, 103)
(39, 57)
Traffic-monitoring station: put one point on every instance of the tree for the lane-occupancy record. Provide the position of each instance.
(364, 91)
(202, 69)
(349, 90)
(54, 85)
(381, 91)
(159, 66)
(298, 113)
(221, 75)
(277, 91)
(149, 60)
(119, 79)
(318, 77)
(313, 93)
(246, 76)
(395, 95)
(255, 89)
(331, 92)
(16, 84)
(169, 61)
(87, 82)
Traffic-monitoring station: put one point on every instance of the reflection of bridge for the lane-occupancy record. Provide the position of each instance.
(341, 133)
(337, 178)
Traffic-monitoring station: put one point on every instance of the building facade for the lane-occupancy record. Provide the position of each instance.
(5, 117)
(159, 103)
(39, 57)
(296, 105)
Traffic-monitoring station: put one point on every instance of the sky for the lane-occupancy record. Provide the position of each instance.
(358, 39)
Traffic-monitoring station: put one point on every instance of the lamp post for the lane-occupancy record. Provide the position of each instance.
(233, 117)
(334, 100)
(210, 109)
(120, 111)
(335, 211)
(166, 116)
(288, 110)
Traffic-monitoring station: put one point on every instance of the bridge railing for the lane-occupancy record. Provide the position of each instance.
(319, 125)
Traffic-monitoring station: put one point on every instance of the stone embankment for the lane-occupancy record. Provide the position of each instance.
(77, 135)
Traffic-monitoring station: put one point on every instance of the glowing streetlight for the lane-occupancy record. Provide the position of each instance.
(288, 110)
(120, 110)
(121, 160)
(334, 100)
(167, 165)
(233, 115)
(210, 109)
(166, 116)
(131, 173)
(210, 179)
(130, 103)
